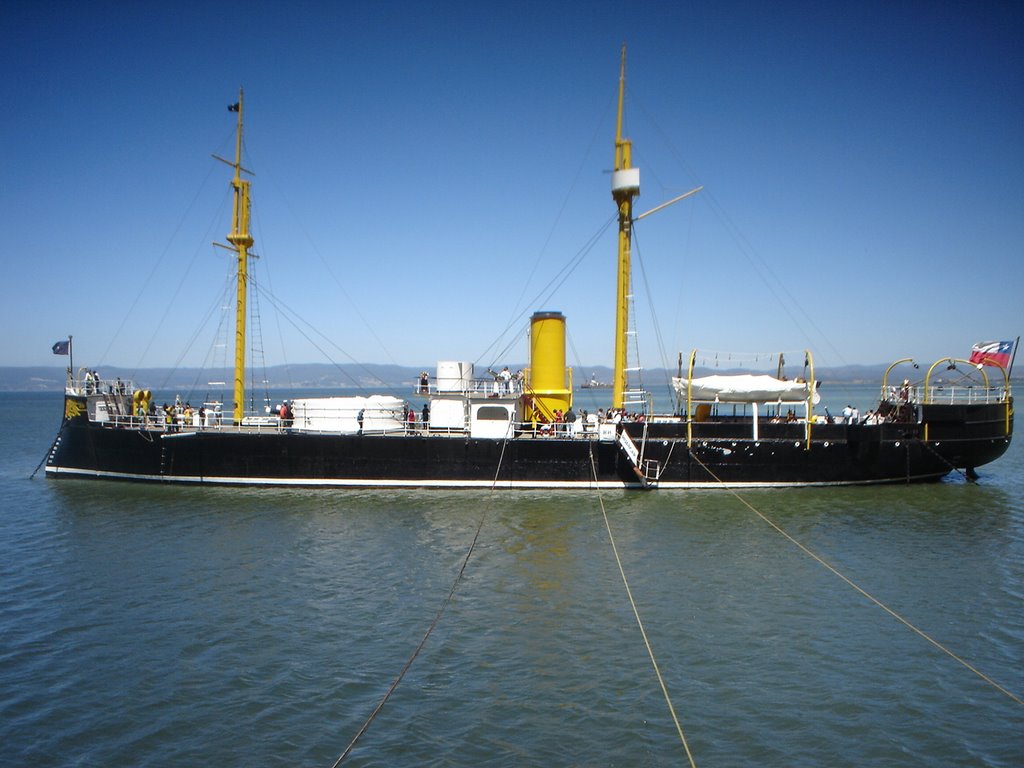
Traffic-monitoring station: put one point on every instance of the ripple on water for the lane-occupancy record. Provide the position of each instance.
(167, 626)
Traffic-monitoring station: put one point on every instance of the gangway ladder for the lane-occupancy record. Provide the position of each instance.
(646, 470)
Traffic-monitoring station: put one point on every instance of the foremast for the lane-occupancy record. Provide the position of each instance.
(241, 242)
(625, 186)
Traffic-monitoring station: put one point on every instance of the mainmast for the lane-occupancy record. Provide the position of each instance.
(625, 186)
(242, 242)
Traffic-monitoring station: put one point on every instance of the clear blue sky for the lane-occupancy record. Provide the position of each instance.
(423, 169)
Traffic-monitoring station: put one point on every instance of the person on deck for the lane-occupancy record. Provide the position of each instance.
(570, 420)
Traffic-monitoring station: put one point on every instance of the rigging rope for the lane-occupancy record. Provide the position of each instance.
(433, 624)
(295, 318)
(599, 127)
(42, 461)
(156, 266)
(849, 582)
(941, 458)
(636, 614)
(551, 288)
(338, 282)
(776, 285)
(256, 224)
(217, 302)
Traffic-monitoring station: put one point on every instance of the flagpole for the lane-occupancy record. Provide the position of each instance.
(71, 362)
(1009, 371)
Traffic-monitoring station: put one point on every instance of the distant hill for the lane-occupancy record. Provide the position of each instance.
(370, 376)
(304, 376)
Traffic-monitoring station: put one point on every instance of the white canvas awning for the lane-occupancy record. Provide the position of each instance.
(743, 388)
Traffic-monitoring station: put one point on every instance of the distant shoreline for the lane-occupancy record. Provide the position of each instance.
(321, 376)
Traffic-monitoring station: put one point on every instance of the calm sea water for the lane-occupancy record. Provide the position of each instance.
(159, 626)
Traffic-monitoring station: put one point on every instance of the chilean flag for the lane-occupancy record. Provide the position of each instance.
(992, 353)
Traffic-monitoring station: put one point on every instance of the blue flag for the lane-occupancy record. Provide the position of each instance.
(62, 347)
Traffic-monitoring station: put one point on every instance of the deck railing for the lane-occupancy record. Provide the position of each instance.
(946, 395)
(486, 387)
(210, 422)
(86, 384)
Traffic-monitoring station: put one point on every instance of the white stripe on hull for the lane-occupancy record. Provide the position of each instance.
(504, 484)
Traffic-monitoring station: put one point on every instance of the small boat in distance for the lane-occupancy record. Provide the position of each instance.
(595, 384)
(458, 430)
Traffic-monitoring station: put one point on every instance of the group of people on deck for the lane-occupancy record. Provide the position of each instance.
(852, 416)
(506, 382)
(560, 422)
(184, 415)
(619, 416)
(93, 385)
(569, 422)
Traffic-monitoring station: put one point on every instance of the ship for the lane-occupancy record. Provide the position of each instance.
(593, 383)
(735, 430)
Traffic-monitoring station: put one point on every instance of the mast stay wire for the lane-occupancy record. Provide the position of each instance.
(437, 617)
(258, 224)
(256, 335)
(283, 309)
(185, 273)
(549, 290)
(295, 319)
(209, 363)
(771, 280)
(659, 338)
(543, 294)
(341, 286)
(598, 127)
(853, 585)
(636, 614)
(218, 302)
(156, 266)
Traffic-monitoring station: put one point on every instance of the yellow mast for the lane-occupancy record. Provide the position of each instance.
(242, 242)
(625, 186)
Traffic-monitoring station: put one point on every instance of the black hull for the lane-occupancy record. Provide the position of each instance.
(958, 437)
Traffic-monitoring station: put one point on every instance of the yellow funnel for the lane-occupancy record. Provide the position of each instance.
(549, 378)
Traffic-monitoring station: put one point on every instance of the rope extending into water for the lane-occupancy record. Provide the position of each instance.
(943, 459)
(41, 461)
(433, 624)
(825, 564)
(636, 614)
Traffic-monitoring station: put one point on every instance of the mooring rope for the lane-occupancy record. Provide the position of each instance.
(636, 614)
(47, 454)
(32, 476)
(948, 463)
(825, 564)
(433, 624)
